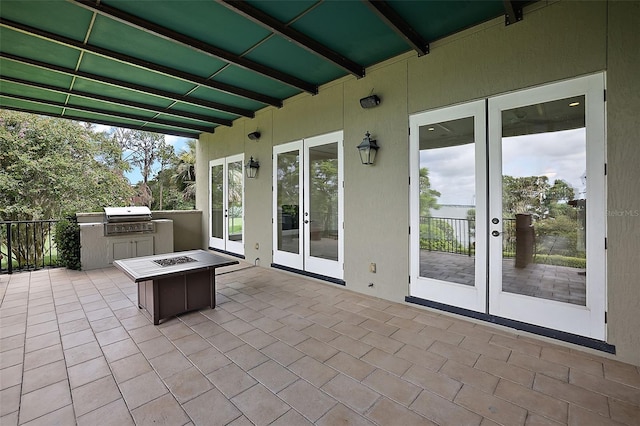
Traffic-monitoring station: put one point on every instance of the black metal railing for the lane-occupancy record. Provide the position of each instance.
(457, 236)
(27, 245)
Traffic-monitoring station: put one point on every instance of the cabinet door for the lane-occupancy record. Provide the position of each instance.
(142, 247)
(119, 249)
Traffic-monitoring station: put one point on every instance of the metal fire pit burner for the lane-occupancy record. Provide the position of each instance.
(174, 261)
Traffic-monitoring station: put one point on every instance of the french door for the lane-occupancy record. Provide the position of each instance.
(226, 204)
(308, 205)
(504, 224)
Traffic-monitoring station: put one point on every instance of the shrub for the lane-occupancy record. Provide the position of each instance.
(68, 242)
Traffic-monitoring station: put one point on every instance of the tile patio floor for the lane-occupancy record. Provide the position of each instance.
(282, 350)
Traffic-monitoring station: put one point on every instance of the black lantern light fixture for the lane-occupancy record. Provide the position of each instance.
(254, 136)
(252, 168)
(368, 149)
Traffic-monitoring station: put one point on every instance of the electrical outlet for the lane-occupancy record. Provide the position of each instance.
(372, 268)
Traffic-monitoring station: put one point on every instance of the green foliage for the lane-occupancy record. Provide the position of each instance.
(52, 166)
(554, 259)
(67, 238)
(428, 196)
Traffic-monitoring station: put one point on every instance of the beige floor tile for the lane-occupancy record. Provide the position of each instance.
(481, 347)
(176, 330)
(273, 376)
(74, 326)
(381, 342)
(350, 366)
(170, 363)
(42, 357)
(341, 415)
(386, 361)
(538, 365)
(142, 389)
(609, 388)
(207, 328)
(488, 406)
(225, 341)
(282, 353)
(351, 393)
(471, 376)
(246, 357)
(533, 401)
(212, 407)
(42, 328)
(45, 375)
(579, 416)
(61, 416)
(573, 360)
(316, 349)
(119, 350)
(354, 331)
(507, 371)
(10, 398)
(209, 360)
(517, 345)
(191, 344)
(77, 338)
(112, 335)
(88, 371)
(351, 346)
(387, 412)
(290, 335)
(188, 384)
(44, 400)
(82, 353)
(307, 400)
(94, 395)
(392, 387)
(258, 338)
(313, 371)
(572, 394)
(11, 357)
(115, 413)
(442, 411)
(231, 380)
(259, 405)
(291, 418)
(456, 353)
(17, 341)
(130, 367)
(41, 342)
(156, 347)
(624, 413)
(164, 410)
(413, 338)
(432, 331)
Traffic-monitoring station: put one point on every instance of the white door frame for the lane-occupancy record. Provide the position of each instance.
(468, 297)
(224, 243)
(586, 320)
(302, 260)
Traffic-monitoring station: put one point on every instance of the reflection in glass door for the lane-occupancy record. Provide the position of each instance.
(447, 172)
(547, 242)
(226, 190)
(308, 232)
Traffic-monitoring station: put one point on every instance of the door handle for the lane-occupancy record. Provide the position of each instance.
(306, 221)
(495, 221)
(496, 233)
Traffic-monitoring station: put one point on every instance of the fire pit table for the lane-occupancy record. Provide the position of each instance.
(171, 284)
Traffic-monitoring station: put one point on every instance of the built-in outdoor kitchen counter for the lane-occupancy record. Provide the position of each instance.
(171, 284)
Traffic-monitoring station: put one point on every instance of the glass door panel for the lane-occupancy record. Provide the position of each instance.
(323, 205)
(217, 202)
(235, 197)
(308, 230)
(448, 260)
(323, 202)
(546, 247)
(288, 200)
(226, 193)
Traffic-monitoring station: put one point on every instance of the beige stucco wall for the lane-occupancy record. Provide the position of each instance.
(187, 227)
(555, 41)
(623, 156)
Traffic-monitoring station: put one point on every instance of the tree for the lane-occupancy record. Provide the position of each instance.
(142, 150)
(50, 168)
(185, 172)
(428, 196)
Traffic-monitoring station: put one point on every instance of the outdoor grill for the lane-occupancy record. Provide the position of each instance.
(128, 220)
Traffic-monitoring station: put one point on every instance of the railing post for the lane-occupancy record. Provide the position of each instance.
(9, 254)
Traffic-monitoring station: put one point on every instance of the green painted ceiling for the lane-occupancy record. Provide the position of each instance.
(184, 67)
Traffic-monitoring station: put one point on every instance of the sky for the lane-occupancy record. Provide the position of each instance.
(179, 144)
(558, 155)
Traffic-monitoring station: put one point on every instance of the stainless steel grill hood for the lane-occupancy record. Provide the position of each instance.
(127, 214)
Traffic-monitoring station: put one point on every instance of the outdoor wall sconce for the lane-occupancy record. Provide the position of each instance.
(254, 136)
(368, 149)
(252, 168)
(370, 101)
